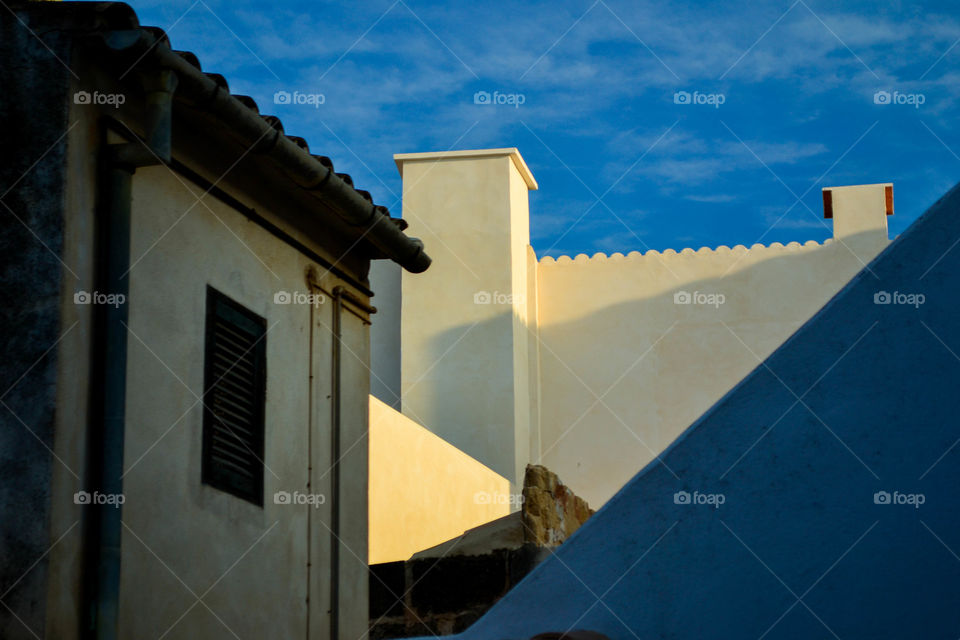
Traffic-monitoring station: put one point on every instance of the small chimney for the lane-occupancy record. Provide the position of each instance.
(859, 211)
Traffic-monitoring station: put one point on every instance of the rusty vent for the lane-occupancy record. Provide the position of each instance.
(233, 401)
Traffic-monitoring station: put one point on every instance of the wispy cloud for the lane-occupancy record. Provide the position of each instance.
(598, 82)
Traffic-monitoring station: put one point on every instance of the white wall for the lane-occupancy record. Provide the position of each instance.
(423, 490)
(625, 369)
(464, 372)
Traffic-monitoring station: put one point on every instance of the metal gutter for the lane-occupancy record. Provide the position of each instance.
(145, 50)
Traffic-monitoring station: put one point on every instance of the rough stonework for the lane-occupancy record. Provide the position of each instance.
(444, 589)
(551, 512)
(35, 82)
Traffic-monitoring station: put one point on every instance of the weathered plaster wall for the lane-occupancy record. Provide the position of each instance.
(162, 451)
(861, 400)
(423, 491)
(33, 147)
(626, 366)
(213, 529)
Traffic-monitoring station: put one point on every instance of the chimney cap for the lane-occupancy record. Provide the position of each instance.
(828, 196)
(513, 152)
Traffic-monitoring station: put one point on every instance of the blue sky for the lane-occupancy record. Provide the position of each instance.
(624, 161)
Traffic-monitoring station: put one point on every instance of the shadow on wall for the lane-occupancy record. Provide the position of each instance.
(621, 382)
(816, 499)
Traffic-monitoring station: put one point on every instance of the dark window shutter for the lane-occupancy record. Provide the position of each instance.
(234, 392)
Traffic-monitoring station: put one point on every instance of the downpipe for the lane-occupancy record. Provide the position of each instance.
(108, 380)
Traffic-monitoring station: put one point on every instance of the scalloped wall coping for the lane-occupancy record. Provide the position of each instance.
(583, 258)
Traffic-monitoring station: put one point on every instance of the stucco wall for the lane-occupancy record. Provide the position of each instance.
(464, 371)
(624, 367)
(810, 452)
(163, 443)
(181, 537)
(423, 491)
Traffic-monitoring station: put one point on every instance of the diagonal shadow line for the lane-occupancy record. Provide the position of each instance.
(599, 399)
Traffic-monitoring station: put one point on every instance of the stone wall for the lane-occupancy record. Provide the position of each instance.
(551, 511)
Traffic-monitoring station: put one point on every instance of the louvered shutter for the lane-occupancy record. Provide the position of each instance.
(234, 391)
